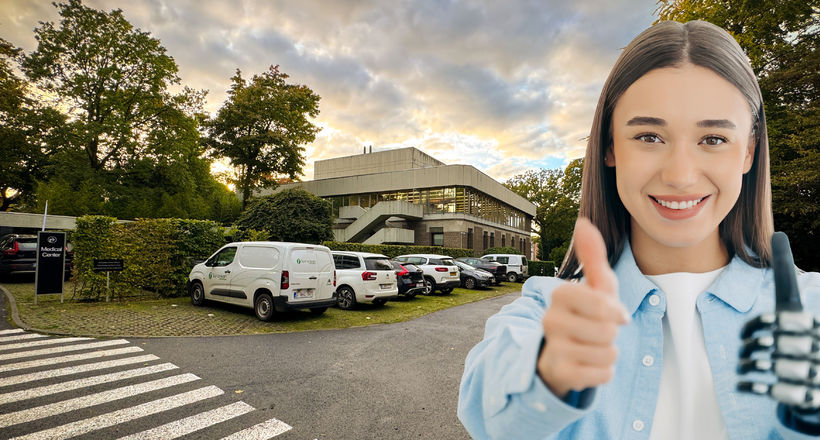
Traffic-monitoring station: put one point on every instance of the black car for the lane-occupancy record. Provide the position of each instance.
(497, 269)
(18, 255)
(472, 277)
(409, 278)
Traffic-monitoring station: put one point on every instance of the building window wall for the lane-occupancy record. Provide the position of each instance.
(454, 199)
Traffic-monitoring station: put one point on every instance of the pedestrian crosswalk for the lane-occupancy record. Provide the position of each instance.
(59, 388)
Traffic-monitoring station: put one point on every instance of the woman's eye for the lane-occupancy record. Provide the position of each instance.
(714, 140)
(649, 138)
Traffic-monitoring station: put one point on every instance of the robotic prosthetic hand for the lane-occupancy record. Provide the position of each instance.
(785, 344)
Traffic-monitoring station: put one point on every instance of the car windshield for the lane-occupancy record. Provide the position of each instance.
(464, 266)
(27, 244)
(448, 262)
(377, 263)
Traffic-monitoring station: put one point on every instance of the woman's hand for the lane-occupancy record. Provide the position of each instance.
(581, 324)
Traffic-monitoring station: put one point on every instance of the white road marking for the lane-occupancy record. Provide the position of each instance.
(40, 343)
(63, 349)
(46, 390)
(39, 412)
(261, 431)
(194, 423)
(11, 331)
(21, 337)
(68, 358)
(121, 416)
(12, 380)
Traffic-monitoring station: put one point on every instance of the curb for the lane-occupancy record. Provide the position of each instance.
(15, 317)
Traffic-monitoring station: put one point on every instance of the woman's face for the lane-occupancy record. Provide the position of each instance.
(681, 144)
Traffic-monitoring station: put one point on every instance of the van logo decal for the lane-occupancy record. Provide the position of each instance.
(300, 261)
(210, 275)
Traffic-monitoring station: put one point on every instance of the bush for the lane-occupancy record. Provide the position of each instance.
(503, 250)
(541, 268)
(392, 250)
(290, 215)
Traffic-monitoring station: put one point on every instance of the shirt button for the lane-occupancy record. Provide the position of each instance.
(654, 300)
(648, 360)
(637, 425)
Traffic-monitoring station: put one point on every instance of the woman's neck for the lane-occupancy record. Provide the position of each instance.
(654, 258)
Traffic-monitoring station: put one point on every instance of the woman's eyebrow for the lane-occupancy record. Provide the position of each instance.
(707, 123)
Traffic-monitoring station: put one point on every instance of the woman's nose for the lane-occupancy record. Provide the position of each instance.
(681, 168)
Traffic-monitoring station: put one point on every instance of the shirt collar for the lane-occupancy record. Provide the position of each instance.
(736, 285)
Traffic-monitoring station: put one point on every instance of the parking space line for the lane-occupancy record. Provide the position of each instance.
(124, 415)
(28, 415)
(262, 431)
(40, 343)
(46, 390)
(62, 349)
(13, 380)
(194, 423)
(68, 358)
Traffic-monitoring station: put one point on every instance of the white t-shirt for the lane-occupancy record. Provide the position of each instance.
(687, 404)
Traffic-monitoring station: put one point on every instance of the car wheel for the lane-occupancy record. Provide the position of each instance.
(347, 298)
(469, 283)
(379, 301)
(429, 286)
(197, 293)
(264, 307)
(446, 290)
(512, 277)
(318, 311)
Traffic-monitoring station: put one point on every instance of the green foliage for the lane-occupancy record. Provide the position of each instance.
(262, 128)
(290, 215)
(503, 250)
(781, 38)
(157, 254)
(393, 250)
(541, 268)
(556, 195)
(558, 253)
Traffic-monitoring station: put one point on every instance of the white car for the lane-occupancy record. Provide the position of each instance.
(267, 276)
(364, 277)
(440, 271)
(517, 265)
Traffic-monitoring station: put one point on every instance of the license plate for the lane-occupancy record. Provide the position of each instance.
(385, 286)
(303, 293)
(452, 274)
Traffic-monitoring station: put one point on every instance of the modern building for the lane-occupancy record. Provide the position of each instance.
(404, 196)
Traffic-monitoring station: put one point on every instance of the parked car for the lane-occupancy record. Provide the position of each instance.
(497, 269)
(18, 255)
(516, 265)
(440, 271)
(409, 278)
(364, 277)
(267, 276)
(472, 277)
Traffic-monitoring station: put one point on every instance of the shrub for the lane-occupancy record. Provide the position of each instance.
(541, 268)
(290, 215)
(503, 250)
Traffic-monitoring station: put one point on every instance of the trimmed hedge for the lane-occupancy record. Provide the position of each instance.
(503, 250)
(541, 268)
(157, 254)
(393, 250)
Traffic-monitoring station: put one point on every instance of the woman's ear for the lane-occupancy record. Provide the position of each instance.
(609, 157)
(749, 159)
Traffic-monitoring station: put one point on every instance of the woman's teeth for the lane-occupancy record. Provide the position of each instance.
(679, 205)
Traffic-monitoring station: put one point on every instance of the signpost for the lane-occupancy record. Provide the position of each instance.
(50, 264)
(108, 265)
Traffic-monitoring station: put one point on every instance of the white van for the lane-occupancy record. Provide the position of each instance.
(267, 276)
(517, 265)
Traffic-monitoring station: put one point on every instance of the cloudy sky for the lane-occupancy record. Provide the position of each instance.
(504, 86)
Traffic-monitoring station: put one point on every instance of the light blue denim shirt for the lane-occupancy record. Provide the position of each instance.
(502, 397)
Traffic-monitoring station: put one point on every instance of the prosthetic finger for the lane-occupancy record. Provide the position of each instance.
(801, 371)
(787, 393)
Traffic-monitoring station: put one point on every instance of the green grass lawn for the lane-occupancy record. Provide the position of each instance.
(177, 317)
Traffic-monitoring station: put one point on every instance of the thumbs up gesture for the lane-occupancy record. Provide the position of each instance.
(582, 322)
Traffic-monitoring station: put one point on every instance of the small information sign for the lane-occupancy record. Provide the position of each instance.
(108, 265)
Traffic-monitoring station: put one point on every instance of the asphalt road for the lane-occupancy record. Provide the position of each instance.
(396, 381)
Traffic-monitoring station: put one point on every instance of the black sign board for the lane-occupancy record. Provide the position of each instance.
(107, 265)
(50, 262)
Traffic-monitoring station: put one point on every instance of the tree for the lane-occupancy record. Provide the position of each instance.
(131, 147)
(292, 214)
(27, 132)
(781, 39)
(262, 127)
(556, 195)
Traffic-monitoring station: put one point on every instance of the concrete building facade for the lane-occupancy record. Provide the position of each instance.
(405, 196)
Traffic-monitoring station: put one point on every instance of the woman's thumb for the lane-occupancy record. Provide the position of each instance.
(591, 251)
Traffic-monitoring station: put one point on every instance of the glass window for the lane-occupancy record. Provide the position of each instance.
(438, 238)
(225, 257)
(377, 263)
(503, 260)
